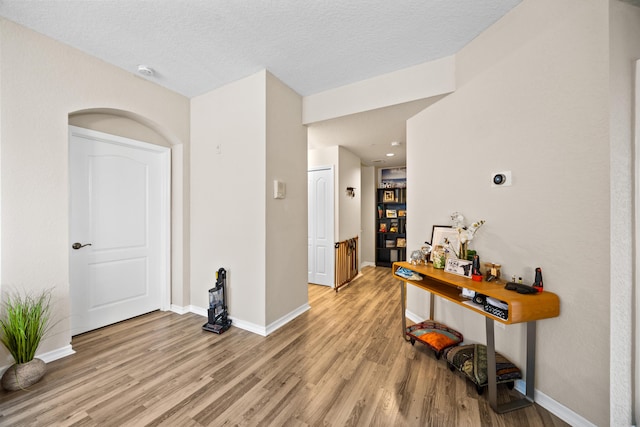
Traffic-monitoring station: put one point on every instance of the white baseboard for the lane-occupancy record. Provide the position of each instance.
(248, 326)
(178, 309)
(59, 353)
(50, 356)
(287, 318)
(367, 264)
(556, 408)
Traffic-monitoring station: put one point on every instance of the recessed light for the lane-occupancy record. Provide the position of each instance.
(396, 143)
(377, 161)
(390, 154)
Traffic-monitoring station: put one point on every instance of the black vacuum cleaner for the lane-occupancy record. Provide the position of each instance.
(217, 312)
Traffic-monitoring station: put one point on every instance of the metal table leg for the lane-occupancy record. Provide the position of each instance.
(491, 370)
(403, 307)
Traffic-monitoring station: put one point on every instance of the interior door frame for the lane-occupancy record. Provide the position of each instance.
(165, 201)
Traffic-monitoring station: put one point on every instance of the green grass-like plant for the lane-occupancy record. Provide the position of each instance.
(24, 322)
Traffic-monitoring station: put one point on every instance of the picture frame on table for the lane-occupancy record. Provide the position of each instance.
(389, 196)
(441, 232)
(461, 267)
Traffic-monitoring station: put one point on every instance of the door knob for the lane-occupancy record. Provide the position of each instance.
(79, 245)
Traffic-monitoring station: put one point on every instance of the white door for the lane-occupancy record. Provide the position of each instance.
(321, 252)
(119, 216)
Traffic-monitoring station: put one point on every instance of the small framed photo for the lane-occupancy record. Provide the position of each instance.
(390, 244)
(392, 213)
(461, 267)
(383, 227)
(440, 233)
(393, 228)
(401, 242)
(389, 196)
(402, 213)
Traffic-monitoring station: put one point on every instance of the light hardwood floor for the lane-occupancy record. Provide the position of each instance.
(342, 363)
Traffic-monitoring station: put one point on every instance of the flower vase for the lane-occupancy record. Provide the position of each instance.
(462, 254)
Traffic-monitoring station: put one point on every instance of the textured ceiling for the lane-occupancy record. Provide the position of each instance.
(196, 46)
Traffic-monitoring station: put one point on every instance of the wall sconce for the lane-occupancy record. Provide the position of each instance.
(351, 192)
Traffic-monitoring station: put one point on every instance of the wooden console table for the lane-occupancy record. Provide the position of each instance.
(523, 308)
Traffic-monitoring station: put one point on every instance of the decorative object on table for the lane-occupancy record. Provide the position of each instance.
(461, 267)
(25, 322)
(492, 271)
(441, 235)
(435, 335)
(537, 284)
(438, 257)
(465, 233)
(426, 251)
(476, 274)
(471, 360)
(416, 258)
(470, 254)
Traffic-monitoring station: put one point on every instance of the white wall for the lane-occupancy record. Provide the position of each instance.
(349, 208)
(532, 98)
(368, 216)
(41, 83)
(286, 219)
(228, 196)
(624, 27)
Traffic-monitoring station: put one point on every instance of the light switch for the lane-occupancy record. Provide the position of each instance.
(279, 189)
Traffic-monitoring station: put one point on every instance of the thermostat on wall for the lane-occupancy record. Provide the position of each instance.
(279, 189)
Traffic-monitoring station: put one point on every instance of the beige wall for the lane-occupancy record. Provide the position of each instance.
(41, 83)
(368, 216)
(624, 27)
(532, 98)
(245, 135)
(349, 208)
(228, 197)
(346, 174)
(286, 220)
